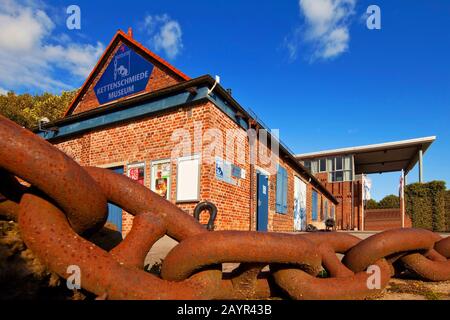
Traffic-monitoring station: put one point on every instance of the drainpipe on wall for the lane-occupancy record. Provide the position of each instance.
(252, 176)
(352, 224)
(352, 221)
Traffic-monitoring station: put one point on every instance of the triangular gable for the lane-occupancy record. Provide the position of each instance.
(125, 69)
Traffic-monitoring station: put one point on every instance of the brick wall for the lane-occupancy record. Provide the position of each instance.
(149, 139)
(384, 219)
(144, 140)
(343, 192)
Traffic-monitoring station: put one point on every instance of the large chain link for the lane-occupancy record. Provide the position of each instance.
(66, 204)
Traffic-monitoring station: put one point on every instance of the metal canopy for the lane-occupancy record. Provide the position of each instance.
(380, 158)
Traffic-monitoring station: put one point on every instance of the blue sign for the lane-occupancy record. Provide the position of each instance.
(223, 171)
(127, 73)
(219, 169)
(236, 171)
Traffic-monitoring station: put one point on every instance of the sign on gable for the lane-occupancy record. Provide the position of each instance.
(127, 73)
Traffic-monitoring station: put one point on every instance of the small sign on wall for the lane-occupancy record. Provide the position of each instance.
(136, 172)
(227, 172)
(236, 171)
(160, 178)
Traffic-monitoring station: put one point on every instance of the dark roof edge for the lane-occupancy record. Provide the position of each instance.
(110, 107)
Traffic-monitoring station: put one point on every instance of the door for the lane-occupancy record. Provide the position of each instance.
(299, 204)
(263, 202)
(114, 212)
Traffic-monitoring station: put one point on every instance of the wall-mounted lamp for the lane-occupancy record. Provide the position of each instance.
(42, 122)
(214, 86)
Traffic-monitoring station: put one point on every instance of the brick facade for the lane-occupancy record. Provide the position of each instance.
(349, 194)
(384, 219)
(150, 138)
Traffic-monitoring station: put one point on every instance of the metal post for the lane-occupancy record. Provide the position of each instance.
(420, 166)
(402, 198)
(362, 203)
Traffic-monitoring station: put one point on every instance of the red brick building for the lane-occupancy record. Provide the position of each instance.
(188, 140)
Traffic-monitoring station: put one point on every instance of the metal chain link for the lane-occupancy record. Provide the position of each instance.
(66, 204)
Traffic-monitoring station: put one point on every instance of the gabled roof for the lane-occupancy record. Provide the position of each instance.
(128, 40)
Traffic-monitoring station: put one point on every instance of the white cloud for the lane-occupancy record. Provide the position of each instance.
(165, 34)
(3, 92)
(325, 29)
(29, 56)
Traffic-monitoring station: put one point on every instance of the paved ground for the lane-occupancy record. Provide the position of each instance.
(160, 250)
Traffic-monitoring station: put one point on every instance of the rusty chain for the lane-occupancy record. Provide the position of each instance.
(66, 204)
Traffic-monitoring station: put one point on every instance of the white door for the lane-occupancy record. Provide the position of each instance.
(299, 204)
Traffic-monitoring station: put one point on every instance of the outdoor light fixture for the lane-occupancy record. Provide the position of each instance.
(42, 122)
(214, 86)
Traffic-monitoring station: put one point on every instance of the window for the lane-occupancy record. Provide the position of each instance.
(314, 166)
(315, 205)
(321, 208)
(307, 165)
(337, 176)
(341, 169)
(281, 187)
(188, 176)
(323, 165)
(338, 164)
(160, 178)
(136, 172)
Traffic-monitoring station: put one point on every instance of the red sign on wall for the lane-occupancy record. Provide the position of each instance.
(137, 174)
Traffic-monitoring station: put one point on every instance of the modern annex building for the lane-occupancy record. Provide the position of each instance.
(342, 172)
(138, 115)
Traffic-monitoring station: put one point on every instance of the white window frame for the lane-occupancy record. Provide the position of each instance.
(319, 170)
(332, 172)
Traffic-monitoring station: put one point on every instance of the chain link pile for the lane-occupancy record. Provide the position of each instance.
(66, 204)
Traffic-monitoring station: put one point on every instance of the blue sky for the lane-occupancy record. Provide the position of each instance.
(310, 68)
